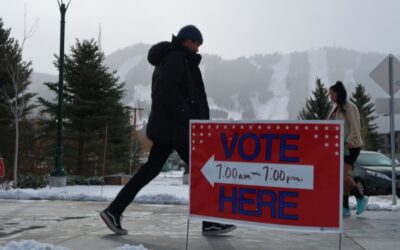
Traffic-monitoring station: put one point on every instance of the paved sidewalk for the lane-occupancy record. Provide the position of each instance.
(76, 225)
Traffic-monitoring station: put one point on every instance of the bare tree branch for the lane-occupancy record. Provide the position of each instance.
(32, 29)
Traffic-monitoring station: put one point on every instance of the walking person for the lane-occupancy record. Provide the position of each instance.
(178, 95)
(347, 111)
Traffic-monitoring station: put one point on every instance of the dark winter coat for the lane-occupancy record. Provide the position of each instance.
(177, 93)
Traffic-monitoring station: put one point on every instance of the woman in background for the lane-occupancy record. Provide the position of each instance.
(347, 111)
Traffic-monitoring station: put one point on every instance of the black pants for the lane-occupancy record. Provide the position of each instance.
(159, 154)
(353, 155)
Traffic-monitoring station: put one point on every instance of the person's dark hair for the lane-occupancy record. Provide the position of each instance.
(341, 94)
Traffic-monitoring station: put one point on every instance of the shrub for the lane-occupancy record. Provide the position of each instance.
(81, 180)
(32, 181)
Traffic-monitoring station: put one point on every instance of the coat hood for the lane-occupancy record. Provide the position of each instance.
(158, 51)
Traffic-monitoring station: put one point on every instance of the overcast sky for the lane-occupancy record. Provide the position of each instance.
(231, 28)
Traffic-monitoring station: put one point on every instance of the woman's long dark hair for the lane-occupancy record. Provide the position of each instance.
(341, 94)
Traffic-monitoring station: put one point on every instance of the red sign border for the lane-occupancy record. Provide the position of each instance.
(270, 225)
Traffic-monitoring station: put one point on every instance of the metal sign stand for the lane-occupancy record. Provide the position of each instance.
(340, 241)
(187, 234)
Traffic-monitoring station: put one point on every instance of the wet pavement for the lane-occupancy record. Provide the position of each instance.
(77, 225)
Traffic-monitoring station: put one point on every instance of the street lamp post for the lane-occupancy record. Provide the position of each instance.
(133, 139)
(58, 176)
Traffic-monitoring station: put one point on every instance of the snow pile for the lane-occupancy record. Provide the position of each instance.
(47, 193)
(161, 199)
(152, 194)
(35, 245)
(167, 188)
(131, 247)
(378, 203)
(31, 245)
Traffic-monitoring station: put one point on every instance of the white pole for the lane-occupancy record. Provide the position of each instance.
(392, 128)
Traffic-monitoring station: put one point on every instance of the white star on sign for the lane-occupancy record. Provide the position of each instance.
(315, 136)
(326, 145)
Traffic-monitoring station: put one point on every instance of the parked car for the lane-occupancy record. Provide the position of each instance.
(373, 173)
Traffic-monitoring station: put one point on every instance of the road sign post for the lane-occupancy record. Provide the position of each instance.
(387, 76)
(285, 175)
(392, 129)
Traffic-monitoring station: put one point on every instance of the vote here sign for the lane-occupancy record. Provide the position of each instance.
(283, 174)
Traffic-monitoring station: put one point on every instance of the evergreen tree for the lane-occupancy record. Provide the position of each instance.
(318, 106)
(15, 101)
(92, 99)
(366, 109)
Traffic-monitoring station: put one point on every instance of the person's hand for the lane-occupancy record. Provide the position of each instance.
(350, 145)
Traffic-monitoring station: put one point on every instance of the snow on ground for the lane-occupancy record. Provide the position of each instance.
(31, 245)
(167, 188)
(130, 247)
(35, 245)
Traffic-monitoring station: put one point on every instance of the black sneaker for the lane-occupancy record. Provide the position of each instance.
(212, 228)
(113, 222)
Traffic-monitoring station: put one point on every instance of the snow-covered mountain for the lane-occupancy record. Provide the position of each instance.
(261, 87)
(37, 86)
